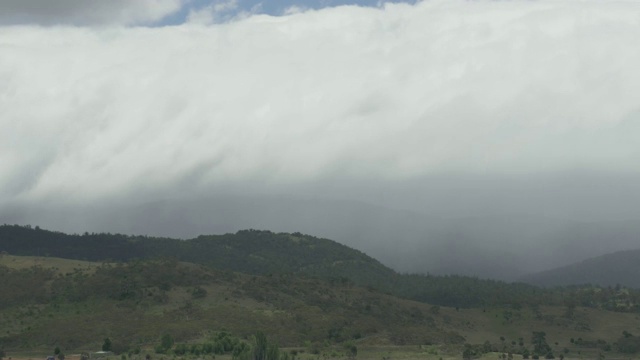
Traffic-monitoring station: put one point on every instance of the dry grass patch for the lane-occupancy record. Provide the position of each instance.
(60, 266)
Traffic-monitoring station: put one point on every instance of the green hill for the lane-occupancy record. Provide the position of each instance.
(249, 251)
(257, 252)
(136, 304)
(302, 291)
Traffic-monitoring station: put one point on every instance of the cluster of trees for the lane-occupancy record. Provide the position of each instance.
(261, 349)
(541, 348)
(628, 343)
(222, 343)
(258, 348)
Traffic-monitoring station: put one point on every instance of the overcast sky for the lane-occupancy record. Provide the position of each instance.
(136, 100)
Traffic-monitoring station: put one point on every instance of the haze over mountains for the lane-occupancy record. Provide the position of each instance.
(616, 269)
(497, 247)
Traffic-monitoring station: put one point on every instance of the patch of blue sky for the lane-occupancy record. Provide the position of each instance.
(270, 7)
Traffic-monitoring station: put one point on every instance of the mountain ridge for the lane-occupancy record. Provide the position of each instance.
(617, 268)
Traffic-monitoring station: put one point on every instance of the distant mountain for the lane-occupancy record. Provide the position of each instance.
(619, 268)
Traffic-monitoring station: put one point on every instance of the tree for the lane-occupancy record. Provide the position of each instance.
(2, 353)
(273, 352)
(56, 351)
(259, 346)
(198, 292)
(166, 343)
(106, 345)
(469, 352)
(352, 349)
(540, 346)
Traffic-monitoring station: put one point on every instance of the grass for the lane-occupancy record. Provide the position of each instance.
(61, 266)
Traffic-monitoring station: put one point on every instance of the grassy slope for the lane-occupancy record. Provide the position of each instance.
(292, 311)
(60, 266)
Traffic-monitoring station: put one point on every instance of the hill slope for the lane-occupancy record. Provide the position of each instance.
(256, 252)
(137, 303)
(619, 268)
(247, 251)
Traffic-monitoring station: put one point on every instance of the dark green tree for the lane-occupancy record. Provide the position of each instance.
(539, 341)
(273, 352)
(260, 344)
(106, 345)
(352, 349)
(166, 343)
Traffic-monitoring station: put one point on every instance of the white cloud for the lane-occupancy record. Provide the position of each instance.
(217, 11)
(348, 93)
(86, 12)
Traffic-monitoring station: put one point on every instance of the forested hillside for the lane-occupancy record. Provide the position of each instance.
(137, 302)
(267, 253)
(137, 305)
(298, 288)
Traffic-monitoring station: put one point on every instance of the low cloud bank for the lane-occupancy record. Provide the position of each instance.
(384, 95)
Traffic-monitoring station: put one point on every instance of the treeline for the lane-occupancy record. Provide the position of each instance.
(264, 252)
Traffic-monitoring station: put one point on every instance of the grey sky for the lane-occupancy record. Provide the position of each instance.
(86, 12)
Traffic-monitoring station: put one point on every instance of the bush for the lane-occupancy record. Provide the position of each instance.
(198, 293)
(629, 345)
(106, 345)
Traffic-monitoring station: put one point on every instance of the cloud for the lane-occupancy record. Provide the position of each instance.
(347, 94)
(220, 11)
(86, 12)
